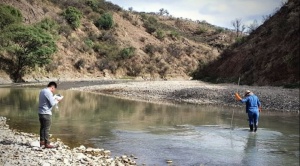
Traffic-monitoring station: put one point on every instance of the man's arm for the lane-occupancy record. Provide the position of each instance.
(259, 105)
(50, 98)
(238, 98)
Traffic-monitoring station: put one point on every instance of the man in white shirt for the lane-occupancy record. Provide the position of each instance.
(46, 103)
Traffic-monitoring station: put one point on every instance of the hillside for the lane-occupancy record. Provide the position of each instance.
(140, 45)
(268, 56)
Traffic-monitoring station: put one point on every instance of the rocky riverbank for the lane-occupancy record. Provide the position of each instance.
(197, 92)
(18, 148)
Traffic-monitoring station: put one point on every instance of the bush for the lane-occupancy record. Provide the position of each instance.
(105, 21)
(220, 30)
(174, 35)
(79, 64)
(93, 4)
(134, 68)
(65, 30)
(107, 64)
(73, 16)
(200, 31)
(160, 34)
(174, 50)
(150, 49)
(239, 41)
(108, 50)
(151, 24)
(9, 15)
(127, 53)
(143, 39)
(108, 37)
(127, 16)
(49, 25)
(89, 43)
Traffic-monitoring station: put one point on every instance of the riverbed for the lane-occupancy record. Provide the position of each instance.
(185, 134)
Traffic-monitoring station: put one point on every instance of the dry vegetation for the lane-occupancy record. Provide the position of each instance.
(268, 56)
(145, 45)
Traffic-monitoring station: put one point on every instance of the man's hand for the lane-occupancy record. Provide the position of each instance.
(259, 109)
(237, 97)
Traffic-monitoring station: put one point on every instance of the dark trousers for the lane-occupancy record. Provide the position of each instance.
(45, 121)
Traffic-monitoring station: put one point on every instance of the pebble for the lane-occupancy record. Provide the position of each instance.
(14, 151)
(197, 92)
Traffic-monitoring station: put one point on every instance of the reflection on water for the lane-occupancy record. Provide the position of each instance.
(186, 134)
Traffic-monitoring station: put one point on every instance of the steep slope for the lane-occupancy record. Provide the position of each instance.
(268, 56)
(173, 50)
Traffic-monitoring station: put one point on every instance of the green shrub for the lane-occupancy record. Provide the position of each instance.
(160, 34)
(220, 30)
(93, 4)
(111, 51)
(49, 25)
(200, 31)
(239, 41)
(151, 24)
(150, 28)
(9, 15)
(143, 16)
(127, 53)
(105, 21)
(73, 16)
(174, 35)
(89, 43)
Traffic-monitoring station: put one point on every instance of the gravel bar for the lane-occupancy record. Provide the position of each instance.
(198, 92)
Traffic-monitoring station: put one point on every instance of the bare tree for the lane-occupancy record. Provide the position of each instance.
(252, 26)
(161, 11)
(239, 27)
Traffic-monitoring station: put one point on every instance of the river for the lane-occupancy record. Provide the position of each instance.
(186, 134)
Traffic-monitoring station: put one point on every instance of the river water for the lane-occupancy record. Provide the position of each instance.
(185, 134)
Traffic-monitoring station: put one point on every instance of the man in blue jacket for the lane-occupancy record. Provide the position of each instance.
(253, 107)
(46, 103)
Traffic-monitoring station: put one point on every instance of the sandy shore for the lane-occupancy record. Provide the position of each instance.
(18, 148)
(197, 92)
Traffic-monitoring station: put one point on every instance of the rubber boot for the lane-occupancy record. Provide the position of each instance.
(255, 128)
(251, 128)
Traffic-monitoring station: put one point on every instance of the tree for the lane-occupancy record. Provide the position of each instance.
(162, 11)
(24, 47)
(252, 26)
(9, 15)
(238, 26)
(130, 9)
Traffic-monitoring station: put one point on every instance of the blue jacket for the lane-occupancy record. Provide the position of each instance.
(252, 103)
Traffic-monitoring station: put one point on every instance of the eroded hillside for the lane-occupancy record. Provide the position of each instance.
(268, 56)
(144, 45)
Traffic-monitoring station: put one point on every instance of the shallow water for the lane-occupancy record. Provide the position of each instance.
(185, 134)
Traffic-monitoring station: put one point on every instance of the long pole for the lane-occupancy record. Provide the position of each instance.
(233, 109)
